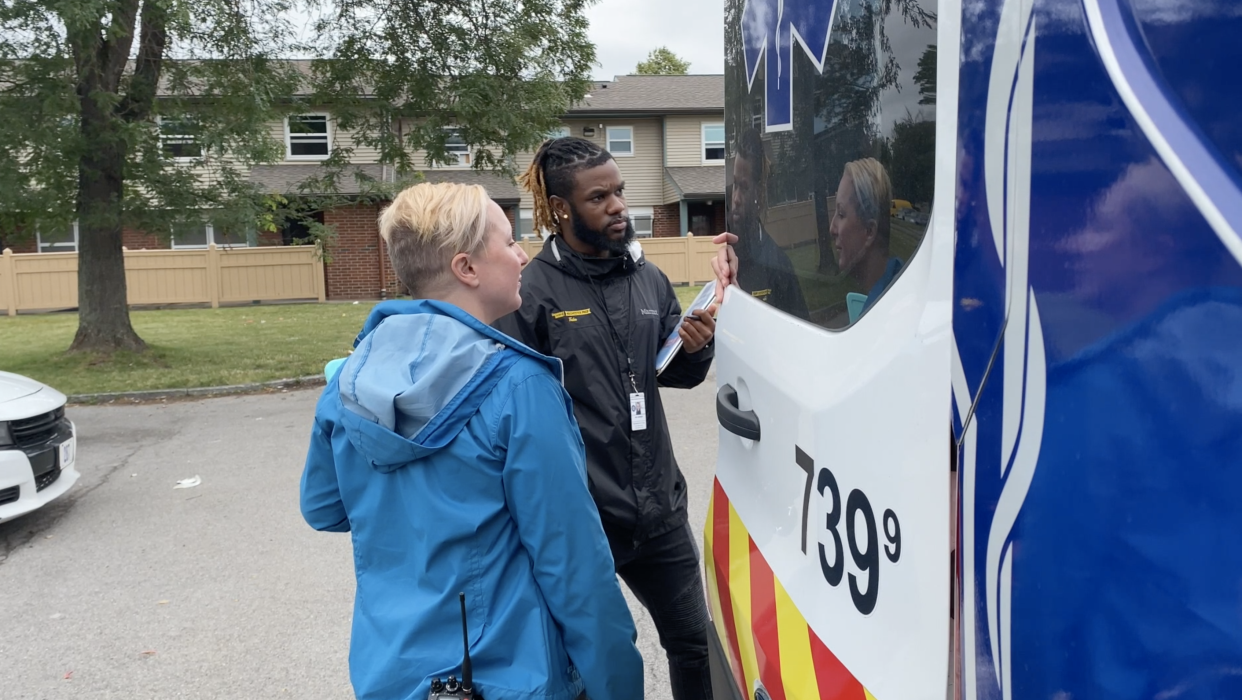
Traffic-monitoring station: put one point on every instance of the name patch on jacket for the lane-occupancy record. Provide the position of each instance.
(572, 316)
(761, 293)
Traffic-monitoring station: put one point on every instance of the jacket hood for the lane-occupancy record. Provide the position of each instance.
(558, 254)
(418, 374)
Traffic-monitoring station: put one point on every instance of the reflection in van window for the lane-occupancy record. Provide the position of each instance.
(830, 209)
(860, 228)
(764, 268)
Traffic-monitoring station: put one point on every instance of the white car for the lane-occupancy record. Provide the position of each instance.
(38, 446)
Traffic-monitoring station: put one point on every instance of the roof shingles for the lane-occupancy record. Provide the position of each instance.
(655, 93)
(703, 182)
(284, 179)
(500, 188)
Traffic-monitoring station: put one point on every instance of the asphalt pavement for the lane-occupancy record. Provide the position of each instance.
(128, 588)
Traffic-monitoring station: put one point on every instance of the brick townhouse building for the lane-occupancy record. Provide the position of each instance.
(666, 132)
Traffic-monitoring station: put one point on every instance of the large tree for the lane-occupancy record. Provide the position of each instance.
(661, 61)
(86, 85)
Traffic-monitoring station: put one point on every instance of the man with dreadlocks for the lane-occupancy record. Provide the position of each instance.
(591, 299)
(763, 268)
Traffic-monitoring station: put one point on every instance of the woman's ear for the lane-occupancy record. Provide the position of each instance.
(873, 228)
(463, 269)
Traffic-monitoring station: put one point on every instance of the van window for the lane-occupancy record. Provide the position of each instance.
(830, 208)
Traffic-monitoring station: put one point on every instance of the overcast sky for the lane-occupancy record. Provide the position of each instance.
(625, 31)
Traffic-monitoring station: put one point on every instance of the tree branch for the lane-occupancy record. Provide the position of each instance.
(84, 44)
(114, 50)
(151, 44)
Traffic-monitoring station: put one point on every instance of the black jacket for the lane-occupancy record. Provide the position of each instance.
(764, 270)
(567, 303)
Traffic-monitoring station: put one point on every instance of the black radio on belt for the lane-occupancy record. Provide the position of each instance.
(451, 689)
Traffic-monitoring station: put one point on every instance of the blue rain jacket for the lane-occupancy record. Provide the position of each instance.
(450, 453)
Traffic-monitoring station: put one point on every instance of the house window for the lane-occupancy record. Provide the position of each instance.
(713, 143)
(559, 132)
(227, 234)
(642, 219)
(307, 137)
(63, 240)
(179, 139)
(526, 226)
(458, 150)
(621, 140)
(198, 234)
(191, 234)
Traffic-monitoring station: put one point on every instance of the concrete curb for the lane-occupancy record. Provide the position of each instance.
(197, 392)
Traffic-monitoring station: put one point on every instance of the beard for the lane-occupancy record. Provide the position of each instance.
(748, 229)
(600, 240)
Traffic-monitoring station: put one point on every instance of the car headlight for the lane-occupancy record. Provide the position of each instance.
(6, 436)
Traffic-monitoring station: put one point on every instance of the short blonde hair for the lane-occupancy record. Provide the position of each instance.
(427, 224)
(873, 193)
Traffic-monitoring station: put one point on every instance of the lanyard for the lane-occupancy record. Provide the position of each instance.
(616, 338)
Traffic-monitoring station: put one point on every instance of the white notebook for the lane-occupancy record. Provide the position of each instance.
(673, 342)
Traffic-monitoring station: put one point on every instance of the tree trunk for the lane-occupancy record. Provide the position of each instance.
(103, 309)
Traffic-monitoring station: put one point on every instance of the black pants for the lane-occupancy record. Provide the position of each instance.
(664, 574)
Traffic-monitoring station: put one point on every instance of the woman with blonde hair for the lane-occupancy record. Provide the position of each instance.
(859, 230)
(450, 452)
(860, 227)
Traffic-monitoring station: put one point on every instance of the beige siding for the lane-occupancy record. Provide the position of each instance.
(208, 172)
(276, 130)
(362, 154)
(685, 139)
(521, 163)
(676, 135)
(671, 194)
(419, 156)
(644, 172)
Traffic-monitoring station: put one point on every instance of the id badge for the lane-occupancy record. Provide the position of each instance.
(638, 411)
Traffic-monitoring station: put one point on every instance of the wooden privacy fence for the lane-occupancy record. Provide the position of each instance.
(686, 260)
(43, 281)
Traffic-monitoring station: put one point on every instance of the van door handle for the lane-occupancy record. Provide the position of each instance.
(741, 423)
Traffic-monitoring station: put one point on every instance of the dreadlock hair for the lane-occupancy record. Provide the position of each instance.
(552, 173)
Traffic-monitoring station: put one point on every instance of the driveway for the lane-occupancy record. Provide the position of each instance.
(127, 588)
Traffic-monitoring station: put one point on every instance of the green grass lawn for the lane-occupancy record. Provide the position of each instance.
(193, 347)
(187, 347)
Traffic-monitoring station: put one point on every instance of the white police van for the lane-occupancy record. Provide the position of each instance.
(995, 441)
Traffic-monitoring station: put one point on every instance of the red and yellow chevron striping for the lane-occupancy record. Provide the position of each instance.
(775, 646)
